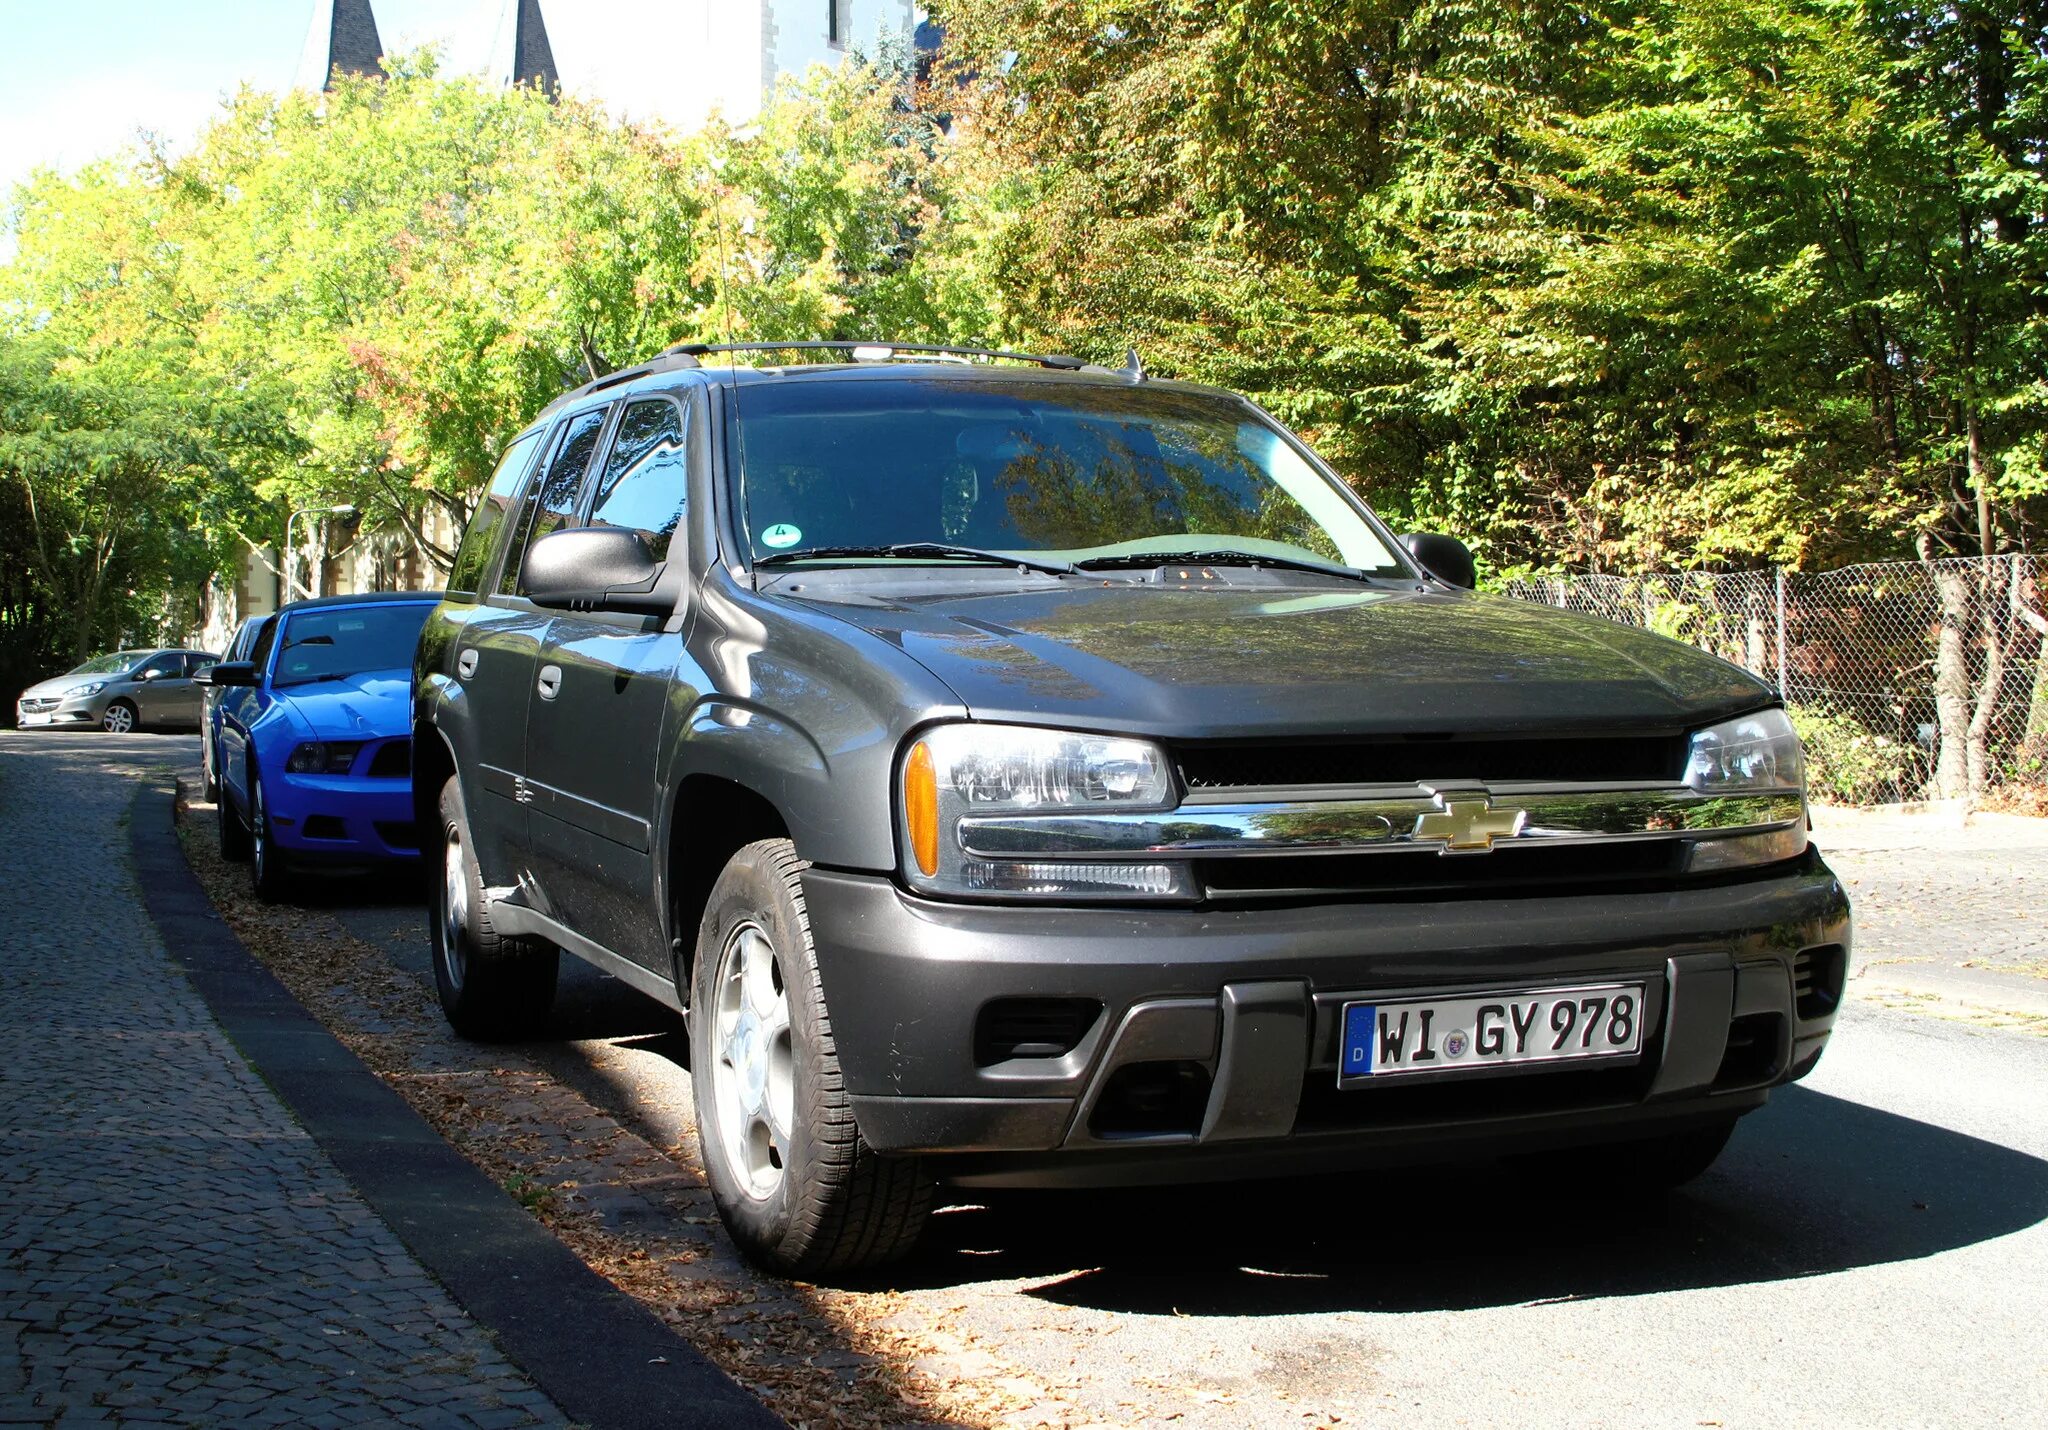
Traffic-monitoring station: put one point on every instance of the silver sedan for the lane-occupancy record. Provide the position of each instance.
(119, 692)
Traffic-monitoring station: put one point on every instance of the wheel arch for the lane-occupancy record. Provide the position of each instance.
(710, 818)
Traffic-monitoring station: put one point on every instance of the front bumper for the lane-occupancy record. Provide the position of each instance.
(77, 710)
(1742, 976)
(342, 818)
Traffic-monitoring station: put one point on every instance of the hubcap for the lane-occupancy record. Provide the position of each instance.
(753, 1073)
(454, 912)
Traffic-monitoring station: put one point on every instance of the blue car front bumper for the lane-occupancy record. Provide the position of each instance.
(342, 818)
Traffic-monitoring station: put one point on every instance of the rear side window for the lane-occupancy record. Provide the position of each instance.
(482, 537)
(645, 481)
(553, 499)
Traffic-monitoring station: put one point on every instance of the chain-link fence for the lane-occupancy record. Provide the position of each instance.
(1908, 680)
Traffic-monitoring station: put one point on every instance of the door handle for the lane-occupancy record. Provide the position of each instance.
(465, 664)
(550, 681)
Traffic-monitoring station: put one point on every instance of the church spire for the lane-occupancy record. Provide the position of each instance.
(533, 59)
(342, 40)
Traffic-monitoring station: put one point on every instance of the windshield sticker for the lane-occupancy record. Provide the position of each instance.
(781, 534)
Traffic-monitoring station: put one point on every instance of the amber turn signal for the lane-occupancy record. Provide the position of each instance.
(921, 807)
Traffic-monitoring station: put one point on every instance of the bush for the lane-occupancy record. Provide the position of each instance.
(1846, 763)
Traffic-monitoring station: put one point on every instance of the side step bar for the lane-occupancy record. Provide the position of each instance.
(511, 917)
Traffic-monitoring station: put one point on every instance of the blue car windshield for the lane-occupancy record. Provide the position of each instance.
(339, 641)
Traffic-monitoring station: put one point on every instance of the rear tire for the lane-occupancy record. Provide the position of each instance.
(494, 988)
(268, 873)
(234, 835)
(208, 768)
(798, 1188)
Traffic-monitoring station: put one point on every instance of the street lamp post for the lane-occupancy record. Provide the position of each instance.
(340, 510)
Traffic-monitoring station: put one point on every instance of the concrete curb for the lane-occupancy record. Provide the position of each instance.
(604, 1359)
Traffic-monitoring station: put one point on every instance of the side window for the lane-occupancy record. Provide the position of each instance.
(196, 661)
(553, 499)
(645, 480)
(172, 663)
(482, 537)
(259, 653)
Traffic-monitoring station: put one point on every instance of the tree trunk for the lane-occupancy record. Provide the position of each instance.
(1952, 684)
(1994, 603)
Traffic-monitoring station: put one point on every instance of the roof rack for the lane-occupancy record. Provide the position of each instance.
(668, 361)
(882, 352)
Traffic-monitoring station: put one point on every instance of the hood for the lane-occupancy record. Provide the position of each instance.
(372, 705)
(1239, 661)
(62, 684)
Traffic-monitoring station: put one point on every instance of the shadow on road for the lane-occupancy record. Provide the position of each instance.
(1811, 1184)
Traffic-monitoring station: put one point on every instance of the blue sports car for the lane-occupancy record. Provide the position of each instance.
(314, 742)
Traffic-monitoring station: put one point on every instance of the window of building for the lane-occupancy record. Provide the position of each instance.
(645, 482)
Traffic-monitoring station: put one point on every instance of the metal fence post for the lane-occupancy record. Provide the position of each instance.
(1781, 633)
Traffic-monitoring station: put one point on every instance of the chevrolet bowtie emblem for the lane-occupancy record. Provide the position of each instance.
(1470, 825)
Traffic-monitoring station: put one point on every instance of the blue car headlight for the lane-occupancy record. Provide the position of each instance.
(323, 757)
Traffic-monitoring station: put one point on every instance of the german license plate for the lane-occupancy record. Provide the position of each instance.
(1470, 1032)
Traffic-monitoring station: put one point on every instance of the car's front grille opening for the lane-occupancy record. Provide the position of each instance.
(1817, 978)
(1416, 758)
(392, 761)
(1754, 1044)
(399, 833)
(1151, 1099)
(324, 826)
(1009, 1028)
(1526, 869)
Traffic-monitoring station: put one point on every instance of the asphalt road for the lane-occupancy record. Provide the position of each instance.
(1872, 1249)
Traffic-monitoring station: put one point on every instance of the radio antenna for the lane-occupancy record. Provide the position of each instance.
(718, 227)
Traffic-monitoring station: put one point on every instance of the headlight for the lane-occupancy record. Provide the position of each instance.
(323, 757)
(91, 687)
(954, 771)
(1755, 752)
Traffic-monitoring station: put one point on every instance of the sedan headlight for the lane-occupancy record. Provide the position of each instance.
(1755, 752)
(952, 772)
(91, 687)
(323, 757)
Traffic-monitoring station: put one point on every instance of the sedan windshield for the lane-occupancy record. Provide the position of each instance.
(118, 662)
(341, 641)
(897, 468)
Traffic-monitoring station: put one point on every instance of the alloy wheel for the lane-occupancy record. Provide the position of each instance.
(753, 1077)
(454, 911)
(259, 831)
(119, 720)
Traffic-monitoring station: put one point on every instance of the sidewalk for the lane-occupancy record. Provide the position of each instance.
(173, 1246)
(1947, 907)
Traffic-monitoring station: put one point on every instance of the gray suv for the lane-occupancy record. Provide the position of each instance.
(1026, 773)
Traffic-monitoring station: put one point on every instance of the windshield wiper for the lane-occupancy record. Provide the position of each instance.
(1223, 557)
(913, 549)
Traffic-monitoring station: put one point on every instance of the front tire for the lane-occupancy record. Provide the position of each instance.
(493, 988)
(796, 1185)
(268, 872)
(120, 718)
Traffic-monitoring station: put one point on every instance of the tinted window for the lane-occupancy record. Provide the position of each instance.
(259, 654)
(196, 661)
(337, 641)
(1082, 470)
(644, 483)
(482, 537)
(553, 499)
(172, 663)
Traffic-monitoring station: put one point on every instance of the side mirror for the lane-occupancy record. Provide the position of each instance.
(595, 568)
(228, 672)
(1444, 557)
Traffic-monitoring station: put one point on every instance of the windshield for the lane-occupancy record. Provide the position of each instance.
(118, 662)
(348, 640)
(1077, 472)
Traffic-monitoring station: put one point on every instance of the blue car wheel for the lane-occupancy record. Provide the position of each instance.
(267, 869)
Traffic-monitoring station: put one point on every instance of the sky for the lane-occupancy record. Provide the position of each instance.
(79, 79)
